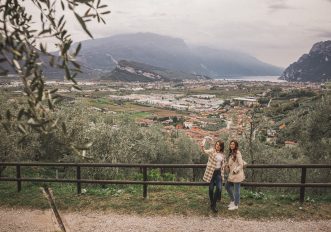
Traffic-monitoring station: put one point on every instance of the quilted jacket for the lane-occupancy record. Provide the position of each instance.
(236, 172)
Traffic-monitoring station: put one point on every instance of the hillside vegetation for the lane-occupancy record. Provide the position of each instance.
(118, 139)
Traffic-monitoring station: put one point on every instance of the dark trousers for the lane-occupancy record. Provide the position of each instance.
(216, 181)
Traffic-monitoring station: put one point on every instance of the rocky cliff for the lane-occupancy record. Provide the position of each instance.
(314, 66)
(131, 71)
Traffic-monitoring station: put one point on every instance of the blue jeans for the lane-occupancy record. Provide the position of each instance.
(234, 195)
(216, 180)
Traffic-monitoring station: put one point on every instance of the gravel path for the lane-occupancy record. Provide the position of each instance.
(37, 220)
(26, 220)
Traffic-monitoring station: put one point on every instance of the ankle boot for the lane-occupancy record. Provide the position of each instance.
(214, 209)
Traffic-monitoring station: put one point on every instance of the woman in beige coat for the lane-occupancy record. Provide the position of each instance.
(235, 167)
(214, 172)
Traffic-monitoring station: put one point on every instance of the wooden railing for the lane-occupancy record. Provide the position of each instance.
(145, 182)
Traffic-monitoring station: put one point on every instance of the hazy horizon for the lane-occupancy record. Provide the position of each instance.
(277, 32)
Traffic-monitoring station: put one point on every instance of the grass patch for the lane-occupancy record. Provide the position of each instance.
(30, 196)
(164, 200)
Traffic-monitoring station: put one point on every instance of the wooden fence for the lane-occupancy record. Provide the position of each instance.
(145, 182)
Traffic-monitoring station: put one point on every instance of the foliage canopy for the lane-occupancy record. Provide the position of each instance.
(24, 55)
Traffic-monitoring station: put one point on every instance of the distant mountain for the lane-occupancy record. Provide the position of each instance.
(313, 67)
(231, 63)
(172, 54)
(133, 71)
(6, 68)
(51, 73)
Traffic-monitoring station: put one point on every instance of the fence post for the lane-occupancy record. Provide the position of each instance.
(18, 177)
(145, 179)
(79, 186)
(193, 174)
(303, 181)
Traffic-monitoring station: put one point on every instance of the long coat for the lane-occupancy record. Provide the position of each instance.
(236, 172)
(211, 165)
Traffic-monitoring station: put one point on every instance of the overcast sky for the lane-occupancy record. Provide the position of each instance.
(275, 31)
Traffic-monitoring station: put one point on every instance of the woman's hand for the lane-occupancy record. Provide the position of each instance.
(236, 170)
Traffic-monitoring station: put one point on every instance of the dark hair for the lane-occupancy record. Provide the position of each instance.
(221, 145)
(234, 151)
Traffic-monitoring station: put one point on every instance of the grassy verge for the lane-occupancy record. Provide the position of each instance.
(165, 200)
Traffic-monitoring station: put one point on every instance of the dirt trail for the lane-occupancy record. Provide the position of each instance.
(37, 220)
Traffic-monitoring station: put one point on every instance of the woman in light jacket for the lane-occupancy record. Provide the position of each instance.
(236, 175)
(214, 172)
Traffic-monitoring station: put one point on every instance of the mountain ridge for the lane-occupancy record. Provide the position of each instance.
(171, 53)
(314, 66)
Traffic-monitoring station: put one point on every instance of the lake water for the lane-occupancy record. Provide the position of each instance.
(254, 78)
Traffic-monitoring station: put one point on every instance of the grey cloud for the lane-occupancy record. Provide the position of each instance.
(324, 34)
(121, 12)
(319, 32)
(276, 5)
(159, 14)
